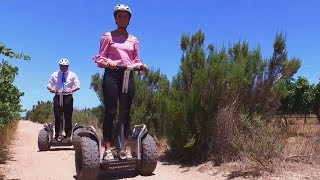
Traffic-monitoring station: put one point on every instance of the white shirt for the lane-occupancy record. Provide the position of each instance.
(55, 80)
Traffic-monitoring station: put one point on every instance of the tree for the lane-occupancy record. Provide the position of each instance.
(217, 87)
(149, 104)
(287, 100)
(303, 97)
(316, 101)
(300, 98)
(9, 93)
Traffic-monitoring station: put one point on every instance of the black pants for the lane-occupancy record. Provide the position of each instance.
(112, 94)
(66, 110)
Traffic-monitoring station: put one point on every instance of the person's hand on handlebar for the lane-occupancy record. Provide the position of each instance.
(143, 67)
(53, 91)
(68, 91)
(112, 65)
(59, 92)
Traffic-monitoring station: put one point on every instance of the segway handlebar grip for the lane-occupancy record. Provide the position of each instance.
(126, 67)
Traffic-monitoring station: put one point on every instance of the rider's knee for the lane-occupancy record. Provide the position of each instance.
(112, 112)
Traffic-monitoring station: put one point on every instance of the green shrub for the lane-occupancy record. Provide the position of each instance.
(85, 117)
(41, 113)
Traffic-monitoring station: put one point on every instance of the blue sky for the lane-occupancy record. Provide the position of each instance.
(49, 30)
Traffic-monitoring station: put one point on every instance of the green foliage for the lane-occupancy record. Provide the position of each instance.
(304, 95)
(41, 113)
(98, 113)
(11, 54)
(9, 93)
(9, 100)
(287, 90)
(300, 97)
(85, 117)
(316, 102)
(209, 82)
(96, 85)
(149, 106)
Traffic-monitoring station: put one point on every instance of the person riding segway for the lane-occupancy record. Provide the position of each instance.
(119, 56)
(63, 84)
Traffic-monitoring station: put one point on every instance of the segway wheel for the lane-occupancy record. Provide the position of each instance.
(149, 156)
(76, 138)
(43, 140)
(87, 159)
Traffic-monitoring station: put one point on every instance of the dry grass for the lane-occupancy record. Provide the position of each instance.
(303, 142)
(162, 146)
(297, 127)
(301, 154)
(228, 125)
(261, 143)
(6, 134)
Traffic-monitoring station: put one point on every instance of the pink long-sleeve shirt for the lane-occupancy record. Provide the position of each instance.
(123, 51)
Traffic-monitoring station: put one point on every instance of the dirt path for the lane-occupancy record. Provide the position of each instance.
(27, 163)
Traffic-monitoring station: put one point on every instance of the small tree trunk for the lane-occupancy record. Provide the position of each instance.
(318, 116)
(285, 121)
(305, 118)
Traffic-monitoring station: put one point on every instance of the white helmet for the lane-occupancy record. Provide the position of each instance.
(122, 7)
(64, 62)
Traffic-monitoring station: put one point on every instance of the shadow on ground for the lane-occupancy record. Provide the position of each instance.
(120, 174)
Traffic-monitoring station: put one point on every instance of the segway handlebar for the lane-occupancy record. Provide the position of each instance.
(127, 67)
(60, 93)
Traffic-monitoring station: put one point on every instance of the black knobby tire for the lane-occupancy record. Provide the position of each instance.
(76, 138)
(149, 156)
(87, 159)
(43, 140)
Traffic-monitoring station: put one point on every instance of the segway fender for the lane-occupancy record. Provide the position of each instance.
(48, 127)
(84, 132)
(77, 126)
(74, 128)
(139, 132)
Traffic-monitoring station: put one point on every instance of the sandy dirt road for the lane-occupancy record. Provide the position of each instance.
(27, 163)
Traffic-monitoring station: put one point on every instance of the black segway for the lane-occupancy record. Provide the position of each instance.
(88, 154)
(45, 137)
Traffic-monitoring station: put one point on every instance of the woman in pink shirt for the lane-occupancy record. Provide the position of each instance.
(117, 47)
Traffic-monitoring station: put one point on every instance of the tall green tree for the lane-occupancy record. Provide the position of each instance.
(211, 83)
(10, 106)
(301, 98)
(304, 96)
(287, 100)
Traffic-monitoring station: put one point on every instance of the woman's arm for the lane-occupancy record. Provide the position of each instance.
(101, 59)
